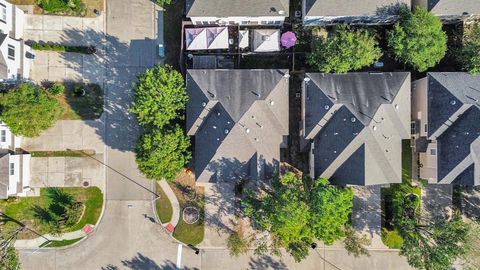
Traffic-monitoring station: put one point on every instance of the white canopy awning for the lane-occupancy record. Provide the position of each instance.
(266, 40)
(206, 38)
(243, 38)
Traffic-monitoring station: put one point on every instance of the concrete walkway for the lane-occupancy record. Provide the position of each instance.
(173, 200)
(37, 242)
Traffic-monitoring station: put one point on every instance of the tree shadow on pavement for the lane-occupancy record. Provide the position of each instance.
(367, 209)
(115, 66)
(266, 262)
(140, 262)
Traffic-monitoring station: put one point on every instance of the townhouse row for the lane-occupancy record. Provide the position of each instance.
(321, 12)
(354, 126)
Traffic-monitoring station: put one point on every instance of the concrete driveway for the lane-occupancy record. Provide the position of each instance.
(69, 134)
(67, 171)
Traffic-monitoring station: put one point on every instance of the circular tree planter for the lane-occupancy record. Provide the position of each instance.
(191, 215)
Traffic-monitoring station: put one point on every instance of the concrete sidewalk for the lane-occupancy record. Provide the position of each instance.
(173, 200)
(37, 242)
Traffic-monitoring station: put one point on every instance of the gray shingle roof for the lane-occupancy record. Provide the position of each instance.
(238, 118)
(356, 122)
(453, 7)
(453, 120)
(233, 8)
(353, 8)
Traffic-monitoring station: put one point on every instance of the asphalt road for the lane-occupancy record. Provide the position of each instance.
(124, 239)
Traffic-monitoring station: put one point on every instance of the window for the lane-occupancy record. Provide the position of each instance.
(11, 52)
(3, 136)
(426, 127)
(412, 128)
(433, 152)
(3, 13)
(12, 168)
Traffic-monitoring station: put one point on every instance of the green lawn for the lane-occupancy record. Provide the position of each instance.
(62, 243)
(21, 210)
(56, 154)
(406, 161)
(190, 233)
(87, 107)
(163, 206)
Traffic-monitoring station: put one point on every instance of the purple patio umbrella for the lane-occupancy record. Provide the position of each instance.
(288, 39)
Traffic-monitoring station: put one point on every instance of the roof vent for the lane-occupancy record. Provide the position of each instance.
(226, 131)
(353, 119)
(253, 116)
(218, 114)
(272, 102)
(306, 79)
(218, 139)
(273, 9)
(327, 107)
(212, 95)
(265, 38)
(453, 102)
(247, 130)
(204, 104)
(374, 127)
(396, 106)
(214, 127)
(286, 75)
(256, 139)
(281, 12)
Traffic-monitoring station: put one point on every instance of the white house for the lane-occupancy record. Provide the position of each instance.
(15, 55)
(14, 165)
(237, 12)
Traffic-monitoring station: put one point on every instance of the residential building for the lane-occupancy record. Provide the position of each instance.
(368, 12)
(240, 122)
(353, 125)
(237, 12)
(446, 127)
(15, 55)
(451, 10)
(14, 165)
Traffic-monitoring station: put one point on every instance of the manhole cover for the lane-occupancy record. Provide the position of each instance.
(86, 183)
(191, 215)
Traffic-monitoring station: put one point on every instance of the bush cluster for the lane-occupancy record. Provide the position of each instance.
(63, 48)
(61, 6)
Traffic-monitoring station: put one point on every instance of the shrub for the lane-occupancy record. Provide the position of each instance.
(469, 55)
(162, 3)
(346, 50)
(63, 48)
(417, 39)
(56, 89)
(392, 239)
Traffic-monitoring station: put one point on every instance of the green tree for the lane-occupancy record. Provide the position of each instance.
(28, 110)
(331, 207)
(162, 3)
(237, 244)
(417, 39)
(296, 212)
(436, 245)
(469, 55)
(345, 50)
(160, 96)
(355, 243)
(10, 260)
(162, 153)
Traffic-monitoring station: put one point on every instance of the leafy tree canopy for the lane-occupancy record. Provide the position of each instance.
(469, 55)
(28, 110)
(295, 214)
(417, 39)
(162, 153)
(331, 207)
(345, 50)
(435, 245)
(159, 96)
